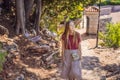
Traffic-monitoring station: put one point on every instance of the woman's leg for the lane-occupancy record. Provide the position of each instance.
(71, 77)
(76, 68)
(66, 65)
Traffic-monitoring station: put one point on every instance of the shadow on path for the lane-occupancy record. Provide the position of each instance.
(112, 70)
(90, 63)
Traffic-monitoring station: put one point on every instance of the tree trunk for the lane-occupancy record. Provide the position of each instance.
(20, 15)
(3, 30)
(28, 8)
(23, 9)
(38, 15)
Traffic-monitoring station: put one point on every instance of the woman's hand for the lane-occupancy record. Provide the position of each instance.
(62, 50)
(80, 57)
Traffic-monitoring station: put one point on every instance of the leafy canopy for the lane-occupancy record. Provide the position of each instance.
(55, 11)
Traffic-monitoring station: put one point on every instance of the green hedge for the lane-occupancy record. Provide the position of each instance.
(112, 36)
(116, 2)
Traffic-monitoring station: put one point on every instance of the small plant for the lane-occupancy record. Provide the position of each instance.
(112, 36)
(3, 54)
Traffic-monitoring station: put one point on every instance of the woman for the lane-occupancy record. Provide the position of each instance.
(71, 53)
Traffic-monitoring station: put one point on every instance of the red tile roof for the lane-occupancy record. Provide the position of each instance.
(91, 9)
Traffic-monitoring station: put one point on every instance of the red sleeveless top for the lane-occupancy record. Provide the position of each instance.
(72, 45)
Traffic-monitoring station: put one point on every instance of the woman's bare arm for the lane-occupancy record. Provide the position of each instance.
(80, 52)
(79, 48)
(63, 49)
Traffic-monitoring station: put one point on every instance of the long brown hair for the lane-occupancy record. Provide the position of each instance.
(66, 34)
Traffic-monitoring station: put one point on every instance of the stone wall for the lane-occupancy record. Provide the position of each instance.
(103, 22)
(116, 8)
(106, 10)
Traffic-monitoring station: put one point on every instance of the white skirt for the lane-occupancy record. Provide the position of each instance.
(71, 69)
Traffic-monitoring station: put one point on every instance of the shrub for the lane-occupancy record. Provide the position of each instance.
(112, 36)
(110, 2)
(3, 54)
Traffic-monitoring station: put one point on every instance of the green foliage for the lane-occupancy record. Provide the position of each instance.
(55, 11)
(112, 36)
(2, 57)
(110, 2)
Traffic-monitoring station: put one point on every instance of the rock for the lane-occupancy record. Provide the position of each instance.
(27, 35)
(35, 39)
(49, 33)
(53, 44)
(102, 78)
(3, 30)
(11, 47)
(53, 35)
(39, 49)
(51, 56)
(34, 32)
(53, 65)
(21, 77)
(16, 53)
(10, 74)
